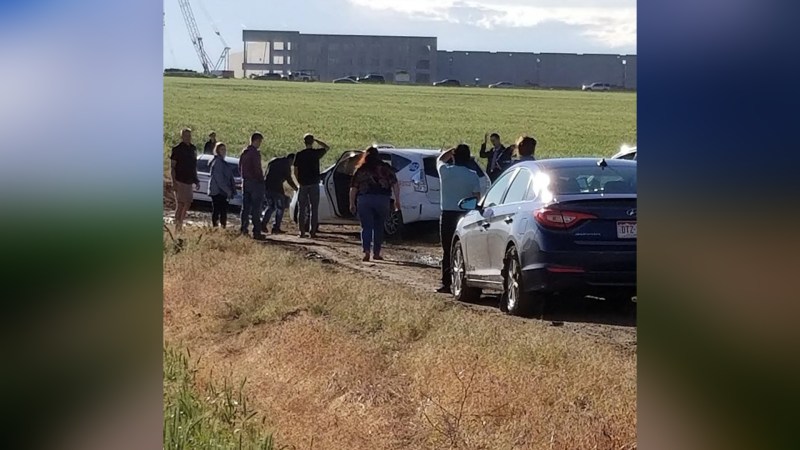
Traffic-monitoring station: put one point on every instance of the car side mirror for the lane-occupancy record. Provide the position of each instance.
(468, 204)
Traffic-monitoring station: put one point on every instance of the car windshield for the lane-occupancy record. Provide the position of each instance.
(593, 179)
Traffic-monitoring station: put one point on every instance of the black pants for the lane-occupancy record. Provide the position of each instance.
(447, 228)
(219, 210)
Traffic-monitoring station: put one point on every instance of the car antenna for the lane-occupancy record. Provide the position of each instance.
(602, 163)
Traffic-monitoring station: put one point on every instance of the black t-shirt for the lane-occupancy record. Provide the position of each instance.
(185, 157)
(307, 163)
(278, 171)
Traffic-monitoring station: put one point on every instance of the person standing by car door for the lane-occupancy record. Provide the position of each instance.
(183, 171)
(279, 170)
(252, 186)
(498, 157)
(371, 190)
(306, 171)
(457, 182)
(221, 186)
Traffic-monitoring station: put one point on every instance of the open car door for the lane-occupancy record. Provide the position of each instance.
(337, 183)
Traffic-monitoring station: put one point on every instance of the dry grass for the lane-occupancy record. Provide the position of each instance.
(345, 361)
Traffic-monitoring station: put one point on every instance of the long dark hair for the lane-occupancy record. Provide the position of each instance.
(370, 159)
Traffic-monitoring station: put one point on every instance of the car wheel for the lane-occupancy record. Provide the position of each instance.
(515, 301)
(622, 304)
(461, 291)
(393, 227)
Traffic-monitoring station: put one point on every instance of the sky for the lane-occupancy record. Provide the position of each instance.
(569, 26)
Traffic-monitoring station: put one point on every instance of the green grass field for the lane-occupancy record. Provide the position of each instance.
(566, 123)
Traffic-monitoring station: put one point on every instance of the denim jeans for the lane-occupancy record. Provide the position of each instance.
(308, 198)
(252, 199)
(219, 211)
(275, 203)
(372, 212)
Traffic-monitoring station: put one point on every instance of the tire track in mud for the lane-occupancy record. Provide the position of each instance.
(416, 265)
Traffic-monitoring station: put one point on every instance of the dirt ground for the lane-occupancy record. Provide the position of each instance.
(414, 262)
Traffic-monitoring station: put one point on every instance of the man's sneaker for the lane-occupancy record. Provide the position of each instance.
(277, 231)
(444, 290)
(259, 237)
(302, 235)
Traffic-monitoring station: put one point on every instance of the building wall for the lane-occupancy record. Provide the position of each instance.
(562, 70)
(490, 67)
(335, 56)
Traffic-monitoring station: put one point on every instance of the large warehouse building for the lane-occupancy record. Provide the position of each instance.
(416, 59)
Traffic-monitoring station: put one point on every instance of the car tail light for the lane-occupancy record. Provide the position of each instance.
(554, 218)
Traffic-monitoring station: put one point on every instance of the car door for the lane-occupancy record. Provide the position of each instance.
(410, 200)
(505, 220)
(336, 185)
(203, 177)
(477, 243)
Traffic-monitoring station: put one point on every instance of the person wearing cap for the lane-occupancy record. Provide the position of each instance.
(208, 149)
(307, 173)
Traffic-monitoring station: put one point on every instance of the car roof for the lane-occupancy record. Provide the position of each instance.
(625, 151)
(557, 163)
(228, 159)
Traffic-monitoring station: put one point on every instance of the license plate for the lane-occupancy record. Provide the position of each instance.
(626, 230)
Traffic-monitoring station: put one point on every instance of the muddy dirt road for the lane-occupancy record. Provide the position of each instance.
(415, 263)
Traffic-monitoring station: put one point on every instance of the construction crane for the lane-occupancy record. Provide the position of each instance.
(208, 67)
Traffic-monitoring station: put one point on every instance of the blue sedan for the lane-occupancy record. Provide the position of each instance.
(553, 226)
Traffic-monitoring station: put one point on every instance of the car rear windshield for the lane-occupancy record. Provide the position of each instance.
(593, 179)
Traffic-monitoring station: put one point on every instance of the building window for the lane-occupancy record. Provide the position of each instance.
(288, 46)
(277, 45)
(277, 60)
(288, 60)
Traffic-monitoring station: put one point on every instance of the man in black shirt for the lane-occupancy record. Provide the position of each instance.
(306, 171)
(208, 149)
(183, 170)
(279, 170)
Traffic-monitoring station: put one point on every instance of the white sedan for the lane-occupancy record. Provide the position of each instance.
(204, 175)
(419, 188)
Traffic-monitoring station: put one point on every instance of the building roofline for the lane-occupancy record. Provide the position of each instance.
(341, 35)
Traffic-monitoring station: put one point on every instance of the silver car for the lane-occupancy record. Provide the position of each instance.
(204, 175)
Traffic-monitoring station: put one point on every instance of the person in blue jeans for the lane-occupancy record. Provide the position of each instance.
(371, 191)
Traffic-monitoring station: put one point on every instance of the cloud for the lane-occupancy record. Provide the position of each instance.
(611, 22)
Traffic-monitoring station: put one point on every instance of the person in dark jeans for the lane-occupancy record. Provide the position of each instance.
(498, 157)
(306, 171)
(221, 186)
(457, 181)
(279, 170)
(252, 186)
(371, 191)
